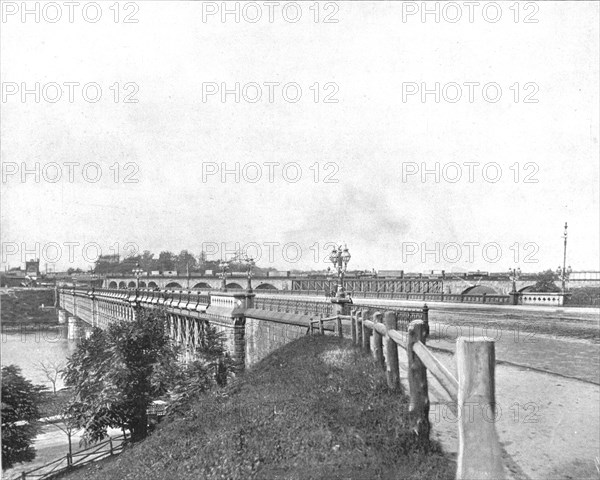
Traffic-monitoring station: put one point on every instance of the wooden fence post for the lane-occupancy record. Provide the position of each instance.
(418, 408)
(353, 326)
(366, 336)
(425, 318)
(391, 353)
(321, 326)
(359, 319)
(378, 342)
(479, 452)
(339, 327)
(111, 445)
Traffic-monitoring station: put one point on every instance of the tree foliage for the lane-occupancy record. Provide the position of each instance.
(545, 282)
(211, 368)
(117, 373)
(19, 412)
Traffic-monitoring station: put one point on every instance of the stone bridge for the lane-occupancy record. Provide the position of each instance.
(252, 327)
(447, 284)
(234, 282)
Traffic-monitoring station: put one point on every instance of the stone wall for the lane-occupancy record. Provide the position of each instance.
(264, 336)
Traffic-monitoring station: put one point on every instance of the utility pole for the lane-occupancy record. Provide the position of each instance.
(564, 256)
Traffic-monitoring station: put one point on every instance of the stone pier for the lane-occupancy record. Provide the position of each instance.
(76, 330)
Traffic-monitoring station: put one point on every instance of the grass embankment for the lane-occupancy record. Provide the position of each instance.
(316, 408)
(22, 307)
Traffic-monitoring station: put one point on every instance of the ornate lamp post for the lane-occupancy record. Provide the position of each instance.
(224, 266)
(514, 274)
(329, 277)
(340, 258)
(137, 271)
(564, 275)
(250, 265)
(564, 272)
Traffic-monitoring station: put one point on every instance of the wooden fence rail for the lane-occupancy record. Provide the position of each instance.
(472, 394)
(83, 457)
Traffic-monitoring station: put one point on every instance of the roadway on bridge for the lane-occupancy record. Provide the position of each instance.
(535, 345)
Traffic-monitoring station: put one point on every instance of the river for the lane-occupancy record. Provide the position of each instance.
(26, 348)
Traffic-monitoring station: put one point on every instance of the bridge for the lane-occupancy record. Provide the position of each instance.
(453, 284)
(252, 326)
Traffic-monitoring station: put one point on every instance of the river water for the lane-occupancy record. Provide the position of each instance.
(26, 348)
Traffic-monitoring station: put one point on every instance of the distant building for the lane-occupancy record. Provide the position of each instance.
(32, 268)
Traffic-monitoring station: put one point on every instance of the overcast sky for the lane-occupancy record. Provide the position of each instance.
(540, 134)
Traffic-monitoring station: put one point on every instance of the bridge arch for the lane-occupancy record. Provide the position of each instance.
(527, 288)
(131, 284)
(173, 285)
(202, 286)
(122, 285)
(113, 284)
(480, 290)
(143, 284)
(152, 285)
(234, 286)
(266, 286)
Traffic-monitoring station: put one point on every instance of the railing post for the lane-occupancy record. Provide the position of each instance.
(366, 336)
(418, 408)
(479, 453)
(391, 353)
(353, 316)
(111, 445)
(378, 342)
(321, 326)
(339, 326)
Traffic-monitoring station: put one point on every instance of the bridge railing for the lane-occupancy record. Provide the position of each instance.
(404, 315)
(415, 296)
(80, 301)
(299, 307)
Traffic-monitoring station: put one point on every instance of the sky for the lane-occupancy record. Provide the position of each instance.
(328, 138)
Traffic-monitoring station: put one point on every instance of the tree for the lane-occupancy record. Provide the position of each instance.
(210, 368)
(51, 370)
(19, 412)
(117, 373)
(147, 260)
(545, 282)
(185, 262)
(166, 260)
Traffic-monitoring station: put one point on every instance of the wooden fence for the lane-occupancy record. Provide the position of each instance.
(472, 395)
(61, 465)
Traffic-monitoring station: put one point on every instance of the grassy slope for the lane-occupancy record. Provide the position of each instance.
(317, 408)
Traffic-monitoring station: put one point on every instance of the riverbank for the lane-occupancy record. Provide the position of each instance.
(27, 307)
(316, 408)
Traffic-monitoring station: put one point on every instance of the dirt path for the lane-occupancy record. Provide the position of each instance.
(549, 426)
